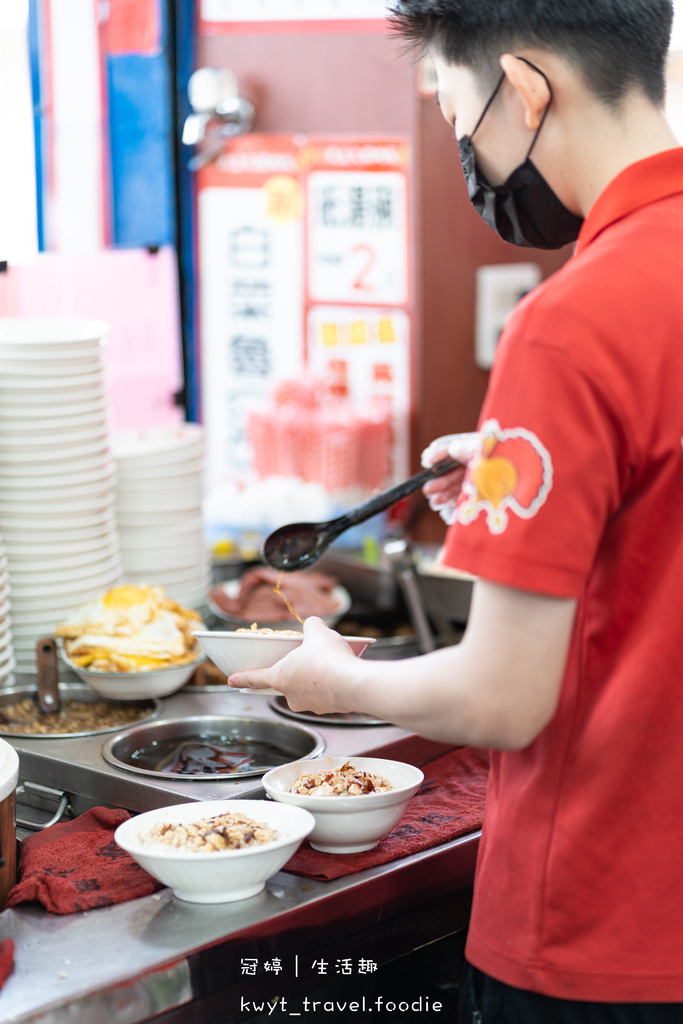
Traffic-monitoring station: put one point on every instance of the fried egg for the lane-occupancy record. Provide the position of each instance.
(121, 611)
(130, 628)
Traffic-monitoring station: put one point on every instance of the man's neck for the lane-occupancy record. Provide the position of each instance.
(607, 142)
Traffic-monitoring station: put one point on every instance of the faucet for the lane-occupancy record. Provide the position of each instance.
(219, 113)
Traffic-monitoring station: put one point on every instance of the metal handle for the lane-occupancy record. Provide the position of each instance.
(48, 675)
(46, 793)
(219, 113)
(421, 607)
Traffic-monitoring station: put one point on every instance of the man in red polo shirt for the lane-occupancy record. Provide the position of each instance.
(571, 516)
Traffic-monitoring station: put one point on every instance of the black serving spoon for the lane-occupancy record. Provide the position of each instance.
(298, 545)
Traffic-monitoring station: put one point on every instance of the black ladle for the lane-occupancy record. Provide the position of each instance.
(298, 545)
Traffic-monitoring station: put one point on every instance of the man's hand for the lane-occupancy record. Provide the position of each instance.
(443, 492)
(498, 688)
(309, 674)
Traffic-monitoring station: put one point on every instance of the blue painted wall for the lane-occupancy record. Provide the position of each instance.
(142, 138)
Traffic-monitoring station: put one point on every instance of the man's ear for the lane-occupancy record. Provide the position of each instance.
(532, 88)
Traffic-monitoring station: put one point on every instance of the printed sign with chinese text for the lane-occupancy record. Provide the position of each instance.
(304, 263)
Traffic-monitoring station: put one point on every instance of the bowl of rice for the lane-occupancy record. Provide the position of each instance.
(355, 801)
(259, 647)
(215, 851)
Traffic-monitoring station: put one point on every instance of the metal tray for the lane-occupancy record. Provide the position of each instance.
(290, 742)
(280, 705)
(71, 691)
(232, 589)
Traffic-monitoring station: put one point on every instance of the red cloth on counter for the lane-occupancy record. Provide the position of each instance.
(6, 959)
(77, 865)
(448, 804)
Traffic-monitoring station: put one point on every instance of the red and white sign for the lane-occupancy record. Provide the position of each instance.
(250, 232)
(303, 260)
(357, 237)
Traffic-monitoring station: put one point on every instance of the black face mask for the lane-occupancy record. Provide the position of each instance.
(525, 210)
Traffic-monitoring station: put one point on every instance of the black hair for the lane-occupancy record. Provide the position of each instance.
(616, 45)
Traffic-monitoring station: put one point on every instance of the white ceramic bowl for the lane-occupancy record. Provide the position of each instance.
(39, 425)
(31, 571)
(68, 471)
(223, 876)
(169, 485)
(59, 511)
(189, 546)
(77, 379)
(59, 584)
(159, 445)
(76, 575)
(61, 530)
(238, 652)
(162, 533)
(159, 682)
(171, 563)
(70, 398)
(46, 457)
(147, 471)
(144, 519)
(51, 332)
(28, 442)
(348, 824)
(48, 355)
(187, 502)
(15, 366)
(57, 494)
(168, 576)
(7, 669)
(58, 554)
(61, 413)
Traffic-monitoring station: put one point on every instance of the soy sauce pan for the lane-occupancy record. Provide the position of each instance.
(273, 743)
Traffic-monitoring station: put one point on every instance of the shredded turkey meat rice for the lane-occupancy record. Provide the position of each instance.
(344, 781)
(229, 831)
(265, 631)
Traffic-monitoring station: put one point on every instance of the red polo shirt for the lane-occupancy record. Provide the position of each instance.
(578, 492)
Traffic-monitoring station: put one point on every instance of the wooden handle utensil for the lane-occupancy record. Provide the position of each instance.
(48, 675)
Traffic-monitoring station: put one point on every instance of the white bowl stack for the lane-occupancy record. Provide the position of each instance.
(7, 660)
(159, 495)
(57, 499)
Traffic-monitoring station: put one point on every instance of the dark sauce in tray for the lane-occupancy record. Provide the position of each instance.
(208, 755)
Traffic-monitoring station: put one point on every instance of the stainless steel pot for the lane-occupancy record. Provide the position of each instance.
(69, 691)
(210, 747)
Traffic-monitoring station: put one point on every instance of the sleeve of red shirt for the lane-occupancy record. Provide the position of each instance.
(535, 504)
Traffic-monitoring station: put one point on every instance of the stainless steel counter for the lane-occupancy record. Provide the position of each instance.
(77, 765)
(158, 957)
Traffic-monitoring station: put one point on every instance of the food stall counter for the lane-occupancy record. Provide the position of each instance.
(158, 957)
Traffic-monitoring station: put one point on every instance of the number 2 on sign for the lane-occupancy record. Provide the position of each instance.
(360, 282)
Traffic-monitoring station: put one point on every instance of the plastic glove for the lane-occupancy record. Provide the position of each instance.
(443, 492)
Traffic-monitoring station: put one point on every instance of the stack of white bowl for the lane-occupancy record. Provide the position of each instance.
(7, 661)
(159, 494)
(57, 500)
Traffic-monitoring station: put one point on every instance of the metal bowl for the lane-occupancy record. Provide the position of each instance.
(353, 718)
(218, 742)
(70, 691)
